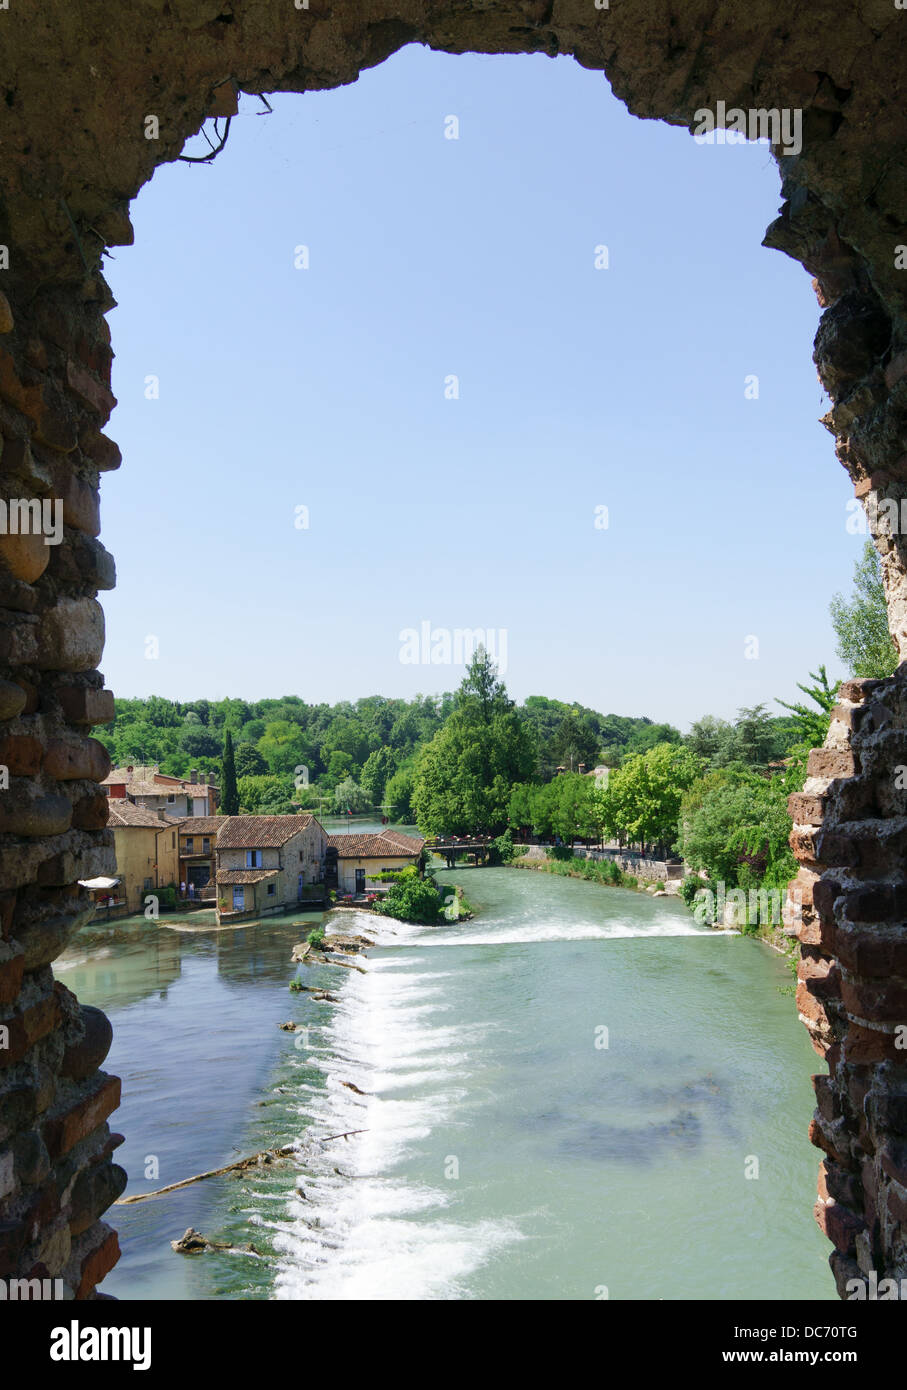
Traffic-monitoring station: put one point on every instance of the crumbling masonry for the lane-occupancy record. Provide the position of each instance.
(78, 83)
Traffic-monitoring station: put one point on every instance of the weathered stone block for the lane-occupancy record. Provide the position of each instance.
(25, 557)
(12, 699)
(72, 636)
(21, 754)
(83, 704)
(65, 1127)
(87, 1054)
(72, 760)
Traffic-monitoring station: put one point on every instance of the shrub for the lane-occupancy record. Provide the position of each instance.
(411, 899)
(502, 848)
(689, 887)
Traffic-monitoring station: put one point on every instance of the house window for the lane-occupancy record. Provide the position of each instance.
(171, 798)
(253, 858)
(188, 842)
(148, 885)
(272, 889)
(300, 856)
(206, 845)
(239, 898)
(173, 839)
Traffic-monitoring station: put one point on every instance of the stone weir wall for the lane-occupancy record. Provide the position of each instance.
(93, 101)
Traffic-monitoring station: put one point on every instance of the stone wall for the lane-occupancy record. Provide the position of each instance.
(57, 1175)
(850, 836)
(90, 108)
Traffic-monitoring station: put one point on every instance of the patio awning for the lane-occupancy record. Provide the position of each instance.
(95, 883)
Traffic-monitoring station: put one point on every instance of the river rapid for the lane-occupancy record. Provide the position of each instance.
(577, 1094)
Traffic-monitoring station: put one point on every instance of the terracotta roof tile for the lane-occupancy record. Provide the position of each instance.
(201, 825)
(245, 875)
(260, 832)
(386, 845)
(123, 813)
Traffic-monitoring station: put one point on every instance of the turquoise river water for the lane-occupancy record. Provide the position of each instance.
(504, 1152)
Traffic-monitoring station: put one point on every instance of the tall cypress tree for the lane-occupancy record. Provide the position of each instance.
(229, 796)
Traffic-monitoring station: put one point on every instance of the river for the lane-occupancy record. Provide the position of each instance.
(567, 1097)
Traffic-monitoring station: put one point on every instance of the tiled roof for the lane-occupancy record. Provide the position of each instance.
(140, 781)
(124, 812)
(201, 825)
(260, 832)
(245, 875)
(387, 845)
(402, 839)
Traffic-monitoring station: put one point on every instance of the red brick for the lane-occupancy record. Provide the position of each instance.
(875, 1001)
(839, 1224)
(863, 1046)
(21, 754)
(89, 390)
(64, 1130)
(98, 1262)
(830, 762)
(82, 704)
(870, 950)
(806, 810)
(11, 972)
(28, 1027)
(77, 760)
(103, 452)
(91, 812)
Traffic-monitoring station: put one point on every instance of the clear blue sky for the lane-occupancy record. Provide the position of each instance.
(579, 388)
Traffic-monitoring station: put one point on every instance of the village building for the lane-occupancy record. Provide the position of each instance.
(179, 797)
(267, 864)
(197, 862)
(146, 850)
(353, 861)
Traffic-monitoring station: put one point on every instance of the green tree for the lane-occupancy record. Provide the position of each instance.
(199, 742)
(810, 726)
(398, 794)
(713, 740)
(283, 747)
(465, 774)
(379, 767)
(411, 898)
(861, 623)
(349, 796)
(641, 802)
(249, 762)
(756, 741)
(229, 796)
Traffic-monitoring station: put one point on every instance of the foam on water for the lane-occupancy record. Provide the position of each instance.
(360, 1225)
(350, 1235)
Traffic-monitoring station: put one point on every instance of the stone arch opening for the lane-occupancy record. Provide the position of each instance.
(71, 168)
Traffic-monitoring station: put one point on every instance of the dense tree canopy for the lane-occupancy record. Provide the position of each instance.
(465, 774)
(861, 623)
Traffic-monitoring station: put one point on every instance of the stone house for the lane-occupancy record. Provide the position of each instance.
(180, 797)
(197, 837)
(352, 860)
(265, 864)
(145, 844)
